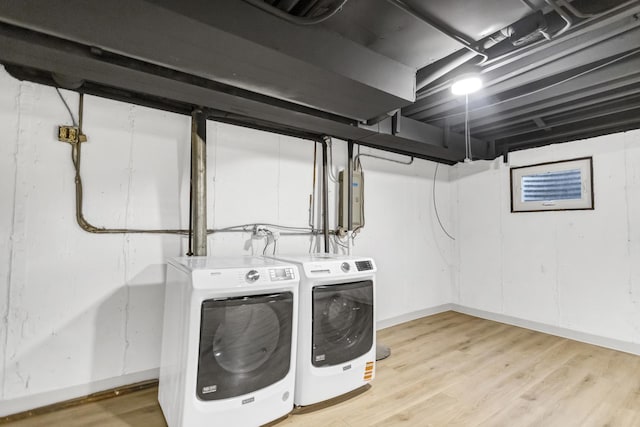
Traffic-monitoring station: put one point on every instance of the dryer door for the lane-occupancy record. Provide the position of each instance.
(245, 344)
(342, 322)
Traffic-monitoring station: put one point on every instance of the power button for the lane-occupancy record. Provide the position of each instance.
(252, 276)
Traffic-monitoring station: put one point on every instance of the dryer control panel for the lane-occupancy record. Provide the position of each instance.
(284, 273)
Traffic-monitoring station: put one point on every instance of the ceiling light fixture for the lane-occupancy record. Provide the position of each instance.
(466, 84)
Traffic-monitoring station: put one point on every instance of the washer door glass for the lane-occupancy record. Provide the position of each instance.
(245, 344)
(342, 322)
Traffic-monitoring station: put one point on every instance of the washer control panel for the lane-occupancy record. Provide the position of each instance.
(283, 273)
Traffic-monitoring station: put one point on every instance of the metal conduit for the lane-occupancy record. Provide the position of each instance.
(373, 156)
(76, 152)
(76, 156)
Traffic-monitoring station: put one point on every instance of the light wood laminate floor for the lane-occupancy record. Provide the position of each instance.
(448, 369)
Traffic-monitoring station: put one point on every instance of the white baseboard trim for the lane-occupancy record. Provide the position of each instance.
(614, 344)
(407, 317)
(25, 403)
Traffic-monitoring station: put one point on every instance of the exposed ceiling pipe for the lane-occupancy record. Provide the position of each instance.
(298, 20)
(563, 15)
(519, 33)
(466, 41)
(433, 72)
(571, 8)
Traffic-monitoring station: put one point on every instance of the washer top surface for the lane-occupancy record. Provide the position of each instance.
(223, 263)
(233, 273)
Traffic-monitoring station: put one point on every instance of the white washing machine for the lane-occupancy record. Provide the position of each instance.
(336, 325)
(228, 342)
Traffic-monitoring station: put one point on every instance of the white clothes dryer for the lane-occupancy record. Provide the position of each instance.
(336, 325)
(228, 342)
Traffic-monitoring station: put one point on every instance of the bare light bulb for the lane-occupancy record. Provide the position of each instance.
(466, 85)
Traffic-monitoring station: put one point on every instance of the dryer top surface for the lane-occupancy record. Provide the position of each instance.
(320, 258)
(322, 265)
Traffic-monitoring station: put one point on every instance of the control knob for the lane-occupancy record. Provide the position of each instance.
(252, 276)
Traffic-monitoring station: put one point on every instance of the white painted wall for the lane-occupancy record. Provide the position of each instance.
(82, 312)
(574, 270)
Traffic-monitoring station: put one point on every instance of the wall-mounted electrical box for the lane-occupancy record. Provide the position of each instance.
(358, 194)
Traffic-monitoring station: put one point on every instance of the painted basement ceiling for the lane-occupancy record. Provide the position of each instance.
(377, 72)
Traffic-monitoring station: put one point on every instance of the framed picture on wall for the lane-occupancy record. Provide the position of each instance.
(553, 186)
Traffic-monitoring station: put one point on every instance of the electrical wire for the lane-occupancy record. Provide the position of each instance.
(245, 227)
(435, 205)
(467, 132)
(269, 234)
(339, 242)
(64, 101)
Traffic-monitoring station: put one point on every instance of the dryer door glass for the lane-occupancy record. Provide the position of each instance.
(342, 322)
(245, 344)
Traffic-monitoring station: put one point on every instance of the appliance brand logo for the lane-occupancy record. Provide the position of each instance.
(249, 400)
(209, 389)
(346, 367)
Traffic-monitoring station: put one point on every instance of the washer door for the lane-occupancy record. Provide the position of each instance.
(342, 322)
(245, 344)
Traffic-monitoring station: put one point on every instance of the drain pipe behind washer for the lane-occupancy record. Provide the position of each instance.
(325, 196)
(199, 182)
(349, 196)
